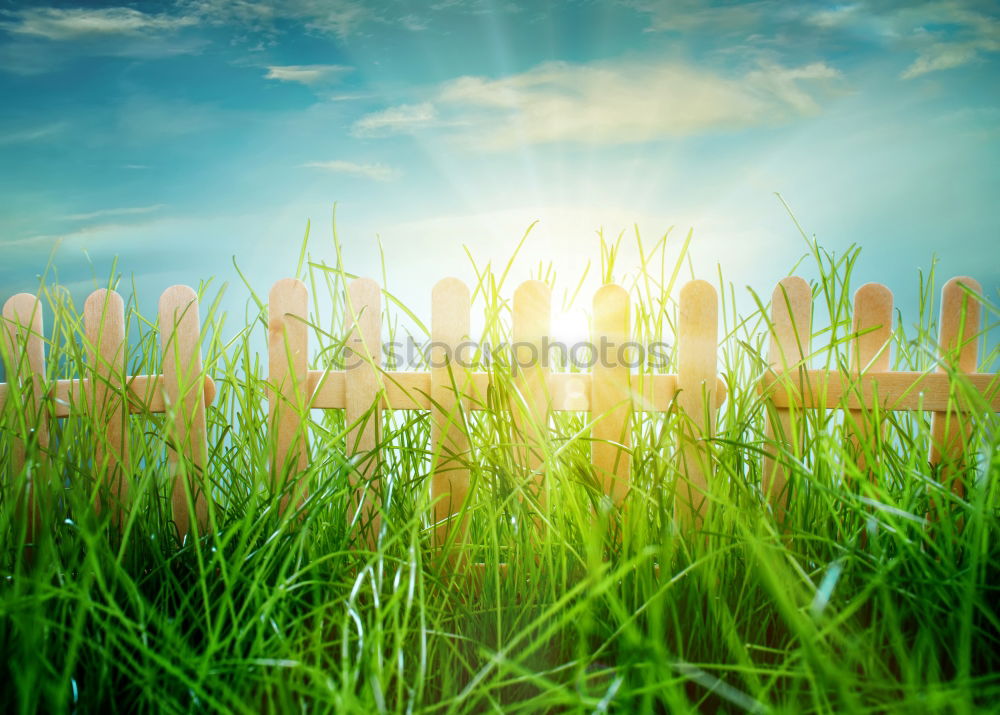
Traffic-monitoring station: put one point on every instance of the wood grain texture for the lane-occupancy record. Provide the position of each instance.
(790, 333)
(697, 351)
(532, 400)
(611, 393)
(362, 387)
(959, 350)
(288, 370)
(104, 327)
(182, 386)
(24, 349)
(450, 325)
(869, 353)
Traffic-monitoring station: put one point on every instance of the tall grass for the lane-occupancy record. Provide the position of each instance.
(856, 604)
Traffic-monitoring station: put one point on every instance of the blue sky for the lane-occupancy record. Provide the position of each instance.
(176, 135)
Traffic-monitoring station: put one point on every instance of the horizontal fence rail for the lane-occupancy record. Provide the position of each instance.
(611, 393)
(109, 395)
(790, 386)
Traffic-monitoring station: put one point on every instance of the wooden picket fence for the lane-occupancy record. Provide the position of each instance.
(791, 386)
(611, 393)
(109, 395)
(449, 390)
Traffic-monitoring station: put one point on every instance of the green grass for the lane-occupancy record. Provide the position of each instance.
(861, 606)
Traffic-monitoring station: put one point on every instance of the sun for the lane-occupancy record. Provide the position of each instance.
(569, 326)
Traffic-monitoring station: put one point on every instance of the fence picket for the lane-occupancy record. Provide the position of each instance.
(611, 395)
(450, 327)
(791, 330)
(697, 348)
(288, 376)
(183, 385)
(531, 319)
(869, 353)
(450, 390)
(958, 344)
(104, 326)
(25, 350)
(362, 380)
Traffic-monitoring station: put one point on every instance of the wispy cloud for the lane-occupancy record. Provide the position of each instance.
(943, 34)
(609, 103)
(941, 56)
(333, 17)
(147, 117)
(400, 119)
(687, 15)
(835, 16)
(73, 23)
(973, 35)
(90, 32)
(347, 97)
(107, 213)
(339, 18)
(23, 136)
(376, 172)
(78, 253)
(307, 74)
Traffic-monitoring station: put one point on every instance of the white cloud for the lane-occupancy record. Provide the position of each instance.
(939, 57)
(22, 136)
(413, 23)
(346, 97)
(376, 172)
(94, 249)
(835, 16)
(341, 18)
(977, 35)
(306, 74)
(105, 213)
(785, 84)
(332, 17)
(74, 23)
(609, 103)
(402, 118)
(687, 15)
(477, 7)
(83, 32)
(968, 34)
(944, 34)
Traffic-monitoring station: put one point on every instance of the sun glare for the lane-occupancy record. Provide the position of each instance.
(570, 327)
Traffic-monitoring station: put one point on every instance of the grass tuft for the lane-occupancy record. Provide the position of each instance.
(859, 605)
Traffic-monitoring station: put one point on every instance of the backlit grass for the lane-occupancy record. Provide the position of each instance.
(859, 604)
